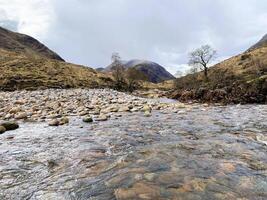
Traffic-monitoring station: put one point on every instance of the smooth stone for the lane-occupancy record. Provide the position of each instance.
(135, 109)
(102, 118)
(112, 109)
(83, 113)
(124, 109)
(88, 119)
(54, 122)
(8, 116)
(95, 112)
(14, 110)
(21, 116)
(147, 114)
(147, 108)
(63, 121)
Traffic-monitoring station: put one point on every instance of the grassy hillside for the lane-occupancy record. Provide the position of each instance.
(241, 79)
(19, 71)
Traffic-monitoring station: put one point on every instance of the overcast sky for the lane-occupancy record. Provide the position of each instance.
(88, 31)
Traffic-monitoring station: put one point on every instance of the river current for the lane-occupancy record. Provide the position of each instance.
(216, 152)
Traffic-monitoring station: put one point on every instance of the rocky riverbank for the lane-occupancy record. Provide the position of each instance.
(55, 107)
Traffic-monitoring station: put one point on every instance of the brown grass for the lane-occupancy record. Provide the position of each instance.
(18, 71)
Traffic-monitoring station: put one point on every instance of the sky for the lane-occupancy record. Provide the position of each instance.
(87, 32)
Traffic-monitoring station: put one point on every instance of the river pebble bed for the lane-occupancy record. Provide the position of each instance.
(134, 148)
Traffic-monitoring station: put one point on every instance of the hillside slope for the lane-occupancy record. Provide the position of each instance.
(261, 43)
(25, 44)
(25, 63)
(240, 79)
(21, 72)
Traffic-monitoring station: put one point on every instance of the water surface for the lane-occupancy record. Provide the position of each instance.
(200, 153)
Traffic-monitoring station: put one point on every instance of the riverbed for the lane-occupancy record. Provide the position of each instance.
(205, 152)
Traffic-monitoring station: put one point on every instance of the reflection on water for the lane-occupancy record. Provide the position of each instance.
(205, 153)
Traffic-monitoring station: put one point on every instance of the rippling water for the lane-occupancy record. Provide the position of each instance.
(204, 153)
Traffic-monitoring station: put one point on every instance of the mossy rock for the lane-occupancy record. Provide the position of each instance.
(2, 129)
(10, 125)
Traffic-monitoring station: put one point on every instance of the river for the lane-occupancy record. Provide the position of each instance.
(216, 152)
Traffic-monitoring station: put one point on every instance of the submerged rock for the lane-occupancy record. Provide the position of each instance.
(2, 129)
(88, 119)
(63, 121)
(10, 125)
(147, 114)
(147, 108)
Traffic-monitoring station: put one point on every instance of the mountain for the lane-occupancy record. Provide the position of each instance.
(25, 63)
(153, 71)
(240, 79)
(25, 44)
(261, 43)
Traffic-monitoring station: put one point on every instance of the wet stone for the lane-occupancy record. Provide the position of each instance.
(54, 122)
(2, 129)
(88, 119)
(9, 125)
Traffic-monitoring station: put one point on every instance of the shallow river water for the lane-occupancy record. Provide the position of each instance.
(204, 153)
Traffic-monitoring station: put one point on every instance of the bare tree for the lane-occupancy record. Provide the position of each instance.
(179, 74)
(134, 77)
(115, 58)
(201, 57)
(118, 71)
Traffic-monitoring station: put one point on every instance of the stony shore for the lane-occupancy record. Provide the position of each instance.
(56, 107)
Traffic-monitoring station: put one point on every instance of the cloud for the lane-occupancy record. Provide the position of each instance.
(33, 17)
(88, 31)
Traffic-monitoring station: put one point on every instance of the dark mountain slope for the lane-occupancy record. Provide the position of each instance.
(153, 71)
(25, 44)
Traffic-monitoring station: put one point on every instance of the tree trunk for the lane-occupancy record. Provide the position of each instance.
(206, 72)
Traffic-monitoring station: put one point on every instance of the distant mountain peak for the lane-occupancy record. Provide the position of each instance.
(155, 72)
